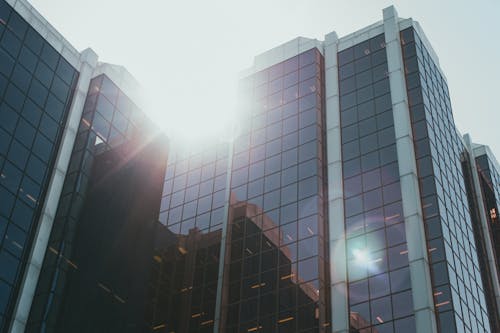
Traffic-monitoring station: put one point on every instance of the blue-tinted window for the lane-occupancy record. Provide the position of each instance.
(38, 93)
(21, 77)
(6, 63)
(4, 142)
(4, 295)
(22, 215)
(36, 168)
(34, 41)
(10, 265)
(30, 191)
(60, 89)
(15, 240)
(5, 11)
(42, 147)
(10, 43)
(25, 133)
(17, 25)
(7, 201)
(49, 56)
(14, 97)
(31, 112)
(11, 177)
(54, 107)
(3, 84)
(65, 71)
(8, 118)
(44, 74)
(49, 127)
(28, 59)
(18, 154)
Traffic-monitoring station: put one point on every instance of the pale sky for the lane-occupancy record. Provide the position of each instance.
(187, 54)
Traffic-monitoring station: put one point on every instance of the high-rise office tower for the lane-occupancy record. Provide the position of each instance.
(347, 201)
(370, 122)
(489, 184)
(66, 121)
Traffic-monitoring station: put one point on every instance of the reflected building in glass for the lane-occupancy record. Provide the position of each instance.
(276, 273)
(346, 202)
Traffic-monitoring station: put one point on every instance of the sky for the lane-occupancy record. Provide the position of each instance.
(187, 54)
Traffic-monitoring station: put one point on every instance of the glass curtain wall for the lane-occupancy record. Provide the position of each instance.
(36, 88)
(458, 291)
(276, 268)
(188, 241)
(380, 295)
(109, 119)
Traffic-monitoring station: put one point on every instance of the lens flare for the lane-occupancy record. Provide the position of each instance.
(362, 257)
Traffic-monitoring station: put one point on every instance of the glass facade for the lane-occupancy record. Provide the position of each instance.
(380, 298)
(476, 204)
(109, 120)
(188, 252)
(233, 236)
(489, 178)
(276, 268)
(459, 296)
(489, 185)
(36, 87)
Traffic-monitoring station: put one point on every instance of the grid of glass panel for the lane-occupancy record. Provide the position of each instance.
(489, 179)
(276, 281)
(380, 298)
(193, 193)
(109, 119)
(36, 85)
(192, 213)
(456, 277)
(489, 204)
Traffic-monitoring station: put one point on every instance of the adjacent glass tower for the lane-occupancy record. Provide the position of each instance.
(65, 119)
(346, 202)
(36, 89)
(117, 156)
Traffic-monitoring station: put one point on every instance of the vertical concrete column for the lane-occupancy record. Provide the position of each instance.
(336, 226)
(423, 304)
(488, 243)
(88, 61)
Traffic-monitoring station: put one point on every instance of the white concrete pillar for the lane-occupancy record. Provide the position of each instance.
(423, 303)
(337, 240)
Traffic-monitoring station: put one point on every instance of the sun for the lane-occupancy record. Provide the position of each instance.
(195, 112)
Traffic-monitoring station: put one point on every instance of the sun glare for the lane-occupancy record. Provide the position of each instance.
(361, 257)
(196, 113)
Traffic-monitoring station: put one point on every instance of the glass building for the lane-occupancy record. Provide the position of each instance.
(37, 87)
(65, 118)
(346, 202)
